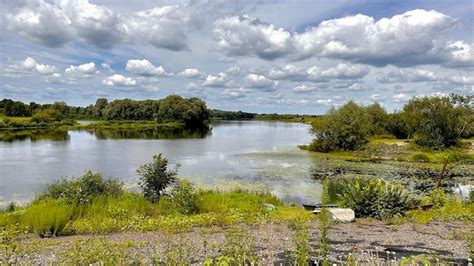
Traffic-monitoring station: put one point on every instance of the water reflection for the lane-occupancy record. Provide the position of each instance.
(152, 133)
(34, 135)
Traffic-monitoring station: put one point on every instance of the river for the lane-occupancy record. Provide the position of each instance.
(248, 154)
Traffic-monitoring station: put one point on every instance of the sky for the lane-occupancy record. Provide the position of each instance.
(260, 56)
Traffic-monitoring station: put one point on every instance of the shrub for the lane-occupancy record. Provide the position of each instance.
(48, 115)
(48, 217)
(371, 197)
(438, 197)
(82, 189)
(346, 128)
(434, 122)
(185, 198)
(155, 177)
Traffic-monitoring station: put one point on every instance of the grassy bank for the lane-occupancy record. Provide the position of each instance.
(132, 212)
(27, 122)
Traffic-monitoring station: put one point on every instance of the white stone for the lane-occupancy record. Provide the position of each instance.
(339, 214)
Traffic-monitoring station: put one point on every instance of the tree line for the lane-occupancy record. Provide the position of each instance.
(434, 122)
(173, 108)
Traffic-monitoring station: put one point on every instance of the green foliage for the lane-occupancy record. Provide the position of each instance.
(9, 243)
(325, 223)
(48, 217)
(97, 252)
(371, 197)
(241, 201)
(346, 128)
(434, 122)
(14, 108)
(396, 126)
(301, 242)
(50, 114)
(177, 251)
(82, 189)
(215, 114)
(191, 111)
(240, 248)
(438, 197)
(471, 196)
(155, 177)
(453, 210)
(185, 198)
(378, 119)
(421, 157)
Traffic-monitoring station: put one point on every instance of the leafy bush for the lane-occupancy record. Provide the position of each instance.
(82, 189)
(370, 197)
(48, 115)
(48, 217)
(438, 197)
(185, 198)
(155, 177)
(346, 128)
(435, 122)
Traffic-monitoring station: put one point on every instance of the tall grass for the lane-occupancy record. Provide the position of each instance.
(48, 217)
(63, 210)
(245, 202)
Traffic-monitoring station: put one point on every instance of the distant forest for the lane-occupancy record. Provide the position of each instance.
(170, 109)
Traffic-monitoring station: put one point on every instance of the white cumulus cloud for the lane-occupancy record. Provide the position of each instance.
(191, 73)
(80, 70)
(30, 66)
(260, 81)
(144, 68)
(119, 81)
(411, 38)
(219, 80)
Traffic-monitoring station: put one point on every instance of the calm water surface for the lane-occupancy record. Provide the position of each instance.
(246, 154)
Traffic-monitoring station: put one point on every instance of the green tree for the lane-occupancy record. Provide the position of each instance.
(155, 177)
(48, 115)
(346, 128)
(434, 122)
(176, 108)
(378, 119)
(99, 107)
(14, 108)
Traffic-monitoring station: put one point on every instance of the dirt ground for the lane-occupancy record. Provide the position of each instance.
(274, 242)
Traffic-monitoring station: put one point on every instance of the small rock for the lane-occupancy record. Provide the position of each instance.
(340, 214)
(268, 206)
